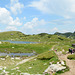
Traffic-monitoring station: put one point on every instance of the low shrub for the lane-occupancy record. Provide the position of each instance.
(71, 56)
(46, 55)
(17, 55)
(25, 56)
(2, 56)
(11, 55)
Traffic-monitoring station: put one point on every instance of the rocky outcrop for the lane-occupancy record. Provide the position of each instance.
(54, 68)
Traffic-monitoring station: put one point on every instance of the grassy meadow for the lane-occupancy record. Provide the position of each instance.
(36, 66)
(43, 49)
(44, 42)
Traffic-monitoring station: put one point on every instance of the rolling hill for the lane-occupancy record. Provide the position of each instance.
(11, 35)
(68, 34)
(42, 37)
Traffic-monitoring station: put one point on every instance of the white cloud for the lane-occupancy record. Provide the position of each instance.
(63, 22)
(33, 23)
(32, 27)
(11, 28)
(24, 18)
(41, 5)
(15, 22)
(16, 6)
(0, 30)
(64, 8)
(60, 30)
(6, 19)
(37, 31)
(54, 30)
(64, 31)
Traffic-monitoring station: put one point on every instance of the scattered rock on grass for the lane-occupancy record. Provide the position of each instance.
(18, 58)
(1, 68)
(12, 73)
(17, 67)
(45, 64)
(34, 59)
(12, 47)
(29, 67)
(12, 58)
(2, 58)
(24, 74)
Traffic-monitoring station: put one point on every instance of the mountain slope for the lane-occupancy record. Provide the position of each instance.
(68, 34)
(11, 35)
(42, 37)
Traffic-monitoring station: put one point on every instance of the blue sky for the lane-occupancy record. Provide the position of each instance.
(37, 16)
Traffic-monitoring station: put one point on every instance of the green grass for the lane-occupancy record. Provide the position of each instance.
(37, 66)
(8, 62)
(46, 55)
(24, 48)
(2, 56)
(38, 48)
(43, 47)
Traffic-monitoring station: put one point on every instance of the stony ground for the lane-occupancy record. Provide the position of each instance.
(70, 63)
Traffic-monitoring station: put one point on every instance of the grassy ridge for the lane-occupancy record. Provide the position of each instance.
(19, 36)
(11, 35)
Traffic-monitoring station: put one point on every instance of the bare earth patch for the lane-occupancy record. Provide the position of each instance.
(70, 63)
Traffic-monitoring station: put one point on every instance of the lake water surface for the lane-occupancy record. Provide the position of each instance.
(18, 42)
(15, 54)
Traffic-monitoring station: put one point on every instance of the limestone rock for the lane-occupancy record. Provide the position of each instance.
(62, 63)
(55, 68)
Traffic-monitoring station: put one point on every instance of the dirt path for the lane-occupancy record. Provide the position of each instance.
(70, 63)
(25, 60)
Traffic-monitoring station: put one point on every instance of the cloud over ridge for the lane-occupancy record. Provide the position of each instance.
(64, 8)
